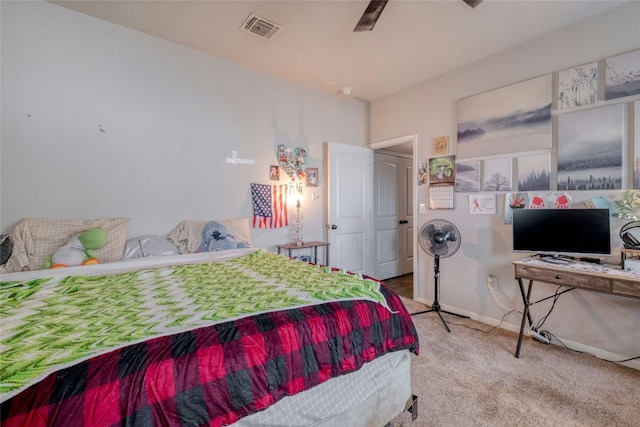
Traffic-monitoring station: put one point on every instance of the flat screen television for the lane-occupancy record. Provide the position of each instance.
(555, 232)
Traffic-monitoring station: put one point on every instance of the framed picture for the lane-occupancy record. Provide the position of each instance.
(442, 169)
(440, 146)
(636, 145)
(312, 177)
(534, 173)
(590, 149)
(497, 174)
(274, 173)
(511, 119)
(622, 75)
(468, 177)
(578, 86)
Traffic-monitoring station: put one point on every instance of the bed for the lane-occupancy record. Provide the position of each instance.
(242, 337)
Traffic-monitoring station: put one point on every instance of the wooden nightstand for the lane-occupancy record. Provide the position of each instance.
(292, 247)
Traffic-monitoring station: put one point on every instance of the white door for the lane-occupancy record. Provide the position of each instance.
(349, 169)
(393, 216)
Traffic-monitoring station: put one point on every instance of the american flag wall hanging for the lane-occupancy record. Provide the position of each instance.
(269, 205)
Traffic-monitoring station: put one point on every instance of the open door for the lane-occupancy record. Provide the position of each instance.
(394, 182)
(349, 170)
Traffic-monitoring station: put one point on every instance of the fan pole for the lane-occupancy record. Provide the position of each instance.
(436, 299)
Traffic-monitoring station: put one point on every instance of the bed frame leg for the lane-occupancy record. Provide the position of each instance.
(412, 407)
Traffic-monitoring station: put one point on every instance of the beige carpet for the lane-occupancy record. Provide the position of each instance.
(471, 378)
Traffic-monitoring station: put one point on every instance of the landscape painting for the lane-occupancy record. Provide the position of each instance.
(534, 173)
(578, 86)
(636, 145)
(511, 119)
(622, 75)
(468, 177)
(590, 149)
(497, 174)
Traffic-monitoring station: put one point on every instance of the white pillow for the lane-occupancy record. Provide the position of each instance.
(34, 239)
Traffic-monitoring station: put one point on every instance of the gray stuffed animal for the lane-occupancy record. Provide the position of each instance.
(215, 237)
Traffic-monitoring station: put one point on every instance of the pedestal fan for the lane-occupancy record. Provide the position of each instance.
(440, 239)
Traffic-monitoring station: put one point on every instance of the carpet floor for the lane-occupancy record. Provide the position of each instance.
(471, 378)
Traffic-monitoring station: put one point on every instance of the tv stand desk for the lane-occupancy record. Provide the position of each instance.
(602, 278)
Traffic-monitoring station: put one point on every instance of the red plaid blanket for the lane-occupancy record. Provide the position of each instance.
(218, 374)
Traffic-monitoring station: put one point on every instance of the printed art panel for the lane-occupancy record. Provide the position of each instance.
(578, 86)
(622, 75)
(511, 119)
(590, 149)
(534, 172)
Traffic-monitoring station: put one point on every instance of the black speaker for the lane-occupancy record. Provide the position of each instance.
(630, 241)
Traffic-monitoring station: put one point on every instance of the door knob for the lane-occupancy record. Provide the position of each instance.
(334, 227)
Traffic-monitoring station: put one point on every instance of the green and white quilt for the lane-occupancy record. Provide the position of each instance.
(54, 321)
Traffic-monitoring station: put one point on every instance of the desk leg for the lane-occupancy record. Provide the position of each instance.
(289, 252)
(525, 314)
(525, 298)
(315, 255)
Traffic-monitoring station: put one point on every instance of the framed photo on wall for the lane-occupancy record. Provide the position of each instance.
(312, 177)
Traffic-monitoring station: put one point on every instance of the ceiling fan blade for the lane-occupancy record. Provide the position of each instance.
(371, 15)
(472, 3)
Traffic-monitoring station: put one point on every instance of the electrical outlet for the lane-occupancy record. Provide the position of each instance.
(492, 282)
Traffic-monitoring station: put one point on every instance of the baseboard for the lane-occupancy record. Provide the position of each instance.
(596, 352)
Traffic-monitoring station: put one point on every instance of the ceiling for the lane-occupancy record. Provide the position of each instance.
(411, 42)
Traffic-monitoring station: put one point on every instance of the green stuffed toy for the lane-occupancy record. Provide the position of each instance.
(79, 250)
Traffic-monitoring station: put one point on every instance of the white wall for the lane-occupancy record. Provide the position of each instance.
(606, 324)
(102, 121)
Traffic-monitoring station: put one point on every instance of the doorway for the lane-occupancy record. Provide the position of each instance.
(394, 211)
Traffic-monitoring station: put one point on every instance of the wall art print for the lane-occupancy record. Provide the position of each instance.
(442, 170)
(622, 75)
(293, 161)
(422, 174)
(510, 119)
(578, 86)
(468, 177)
(514, 201)
(440, 145)
(534, 173)
(497, 174)
(482, 204)
(590, 149)
(550, 201)
(636, 144)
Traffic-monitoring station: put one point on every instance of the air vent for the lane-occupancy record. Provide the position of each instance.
(261, 27)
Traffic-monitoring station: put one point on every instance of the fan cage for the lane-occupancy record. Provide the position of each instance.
(442, 229)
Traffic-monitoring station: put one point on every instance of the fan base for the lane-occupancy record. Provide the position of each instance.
(436, 308)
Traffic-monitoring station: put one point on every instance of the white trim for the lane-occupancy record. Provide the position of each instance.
(395, 141)
(413, 138)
